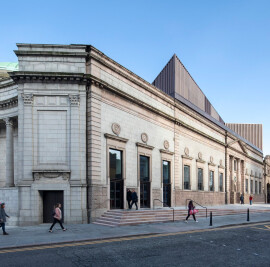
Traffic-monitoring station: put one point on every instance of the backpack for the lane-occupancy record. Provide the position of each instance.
(53, 213)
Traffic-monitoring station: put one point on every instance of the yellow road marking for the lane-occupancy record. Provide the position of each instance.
(83, 243)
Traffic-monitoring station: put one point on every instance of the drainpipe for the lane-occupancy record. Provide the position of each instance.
(87, 180)
(226, 163)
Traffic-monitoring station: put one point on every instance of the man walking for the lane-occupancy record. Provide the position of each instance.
(129, 198)
(134, 199)
(3, 216)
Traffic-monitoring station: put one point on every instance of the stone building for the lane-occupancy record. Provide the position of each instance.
(78, 128)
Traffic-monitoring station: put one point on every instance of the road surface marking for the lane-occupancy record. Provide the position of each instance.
(120, 239)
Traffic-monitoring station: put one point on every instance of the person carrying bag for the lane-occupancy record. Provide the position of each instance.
(191, 211)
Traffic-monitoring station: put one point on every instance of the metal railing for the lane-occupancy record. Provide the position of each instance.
(163, 204)
(197, 204)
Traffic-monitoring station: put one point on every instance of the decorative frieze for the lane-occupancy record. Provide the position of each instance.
(9, 103)
(27, 99)
(47, 174)
(74, 100)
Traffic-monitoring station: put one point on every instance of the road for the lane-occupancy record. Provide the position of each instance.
(229, 246)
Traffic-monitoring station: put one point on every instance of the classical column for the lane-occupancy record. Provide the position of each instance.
(232, 174)
(9, 153)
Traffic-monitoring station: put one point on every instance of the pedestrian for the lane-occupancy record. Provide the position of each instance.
(250, 199)
(191, 208)
(242, 199)
(3, 219)
(57, 217)
(129, 198)
(134, 198)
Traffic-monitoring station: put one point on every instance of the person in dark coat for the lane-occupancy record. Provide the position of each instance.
(242, 199)
(129, 198)
(3, 216)
(190, 207)
(134, 198)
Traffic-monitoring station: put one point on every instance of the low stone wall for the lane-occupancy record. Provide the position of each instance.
(10, 197)
(203, 198)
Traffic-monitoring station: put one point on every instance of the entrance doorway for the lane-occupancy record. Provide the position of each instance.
(166, 183)
(116, 179)
(268, 193)
(144, 182)
(50, 198)
(116, 194)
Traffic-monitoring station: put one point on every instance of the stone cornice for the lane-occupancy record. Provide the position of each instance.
(200, 160)
(9, 103)
(50, 53)
(117, 138)
(211, 164)
(186, 157)
(48, 77)
(246, 155)
(144, 146)
(4, 83)
(166, 152)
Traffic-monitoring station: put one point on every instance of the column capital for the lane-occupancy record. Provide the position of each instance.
(8, 122)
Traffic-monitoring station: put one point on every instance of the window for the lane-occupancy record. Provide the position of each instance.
(251, 187)
(166, 172)
(115, 164)
(256, 187)
(260, 187)
(246, 185)
(221, 182)
(186, 177)
(144, 168)
(200, 179)
(211, 181)
(235, 165)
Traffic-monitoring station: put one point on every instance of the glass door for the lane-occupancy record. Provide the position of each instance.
(144, 182)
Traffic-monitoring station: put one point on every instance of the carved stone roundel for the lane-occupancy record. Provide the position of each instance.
(166, 144)
(144, 137)
(200, 155)
(116, 128)
(186, 151)
(211, 159)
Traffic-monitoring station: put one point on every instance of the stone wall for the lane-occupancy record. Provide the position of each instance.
(203, 198)
(10, 197)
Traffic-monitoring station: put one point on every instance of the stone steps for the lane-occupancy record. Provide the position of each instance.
(126, 217)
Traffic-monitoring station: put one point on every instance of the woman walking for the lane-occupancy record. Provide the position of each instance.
(191, 208)
(57, 217)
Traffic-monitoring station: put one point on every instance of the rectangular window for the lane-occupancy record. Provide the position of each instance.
(256, 187)
(166, 172)
(221, 182)
(246, 185)
(186, 177)
(211, 181)
(260, 187)
(115, 164)
(235, 165)
(200, 179)
(144, 168)
(251, 187)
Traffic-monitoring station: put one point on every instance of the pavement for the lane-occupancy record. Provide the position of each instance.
(39, 235)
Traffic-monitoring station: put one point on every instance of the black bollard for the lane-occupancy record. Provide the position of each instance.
(210, 218)
(248, 215)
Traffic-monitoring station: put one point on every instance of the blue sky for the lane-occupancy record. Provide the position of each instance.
(225, 45)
